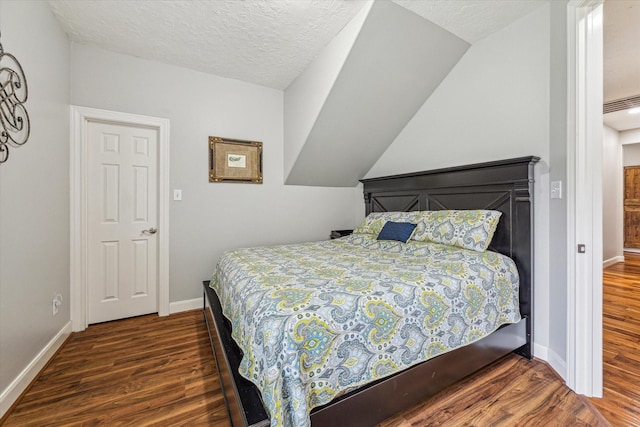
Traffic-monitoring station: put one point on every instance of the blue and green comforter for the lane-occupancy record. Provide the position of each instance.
(316, 320)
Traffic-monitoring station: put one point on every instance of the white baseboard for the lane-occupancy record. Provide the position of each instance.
(186, 305)
(540, 351)
(22, 381)
(556, 362)
(611, 261)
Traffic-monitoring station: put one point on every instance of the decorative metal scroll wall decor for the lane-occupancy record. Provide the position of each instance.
(13, 95)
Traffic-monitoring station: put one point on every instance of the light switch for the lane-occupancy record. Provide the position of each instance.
(177, 194)
(556, 189)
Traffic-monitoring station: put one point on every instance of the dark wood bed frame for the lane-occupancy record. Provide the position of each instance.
(505, 185)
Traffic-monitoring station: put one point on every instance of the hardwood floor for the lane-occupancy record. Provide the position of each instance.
(142, 371)
(159, 371)
(621, 340)
(511, 392)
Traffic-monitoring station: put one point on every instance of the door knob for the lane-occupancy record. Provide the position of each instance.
(152, 230)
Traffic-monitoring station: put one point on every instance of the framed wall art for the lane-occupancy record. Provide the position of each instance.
(235, 160)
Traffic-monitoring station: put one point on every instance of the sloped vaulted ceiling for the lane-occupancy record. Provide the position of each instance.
(393, 61)
(363, 89)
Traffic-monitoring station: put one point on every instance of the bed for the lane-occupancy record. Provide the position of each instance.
(502, 186)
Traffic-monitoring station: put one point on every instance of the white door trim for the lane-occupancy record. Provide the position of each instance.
(80, 116)
(584, 201)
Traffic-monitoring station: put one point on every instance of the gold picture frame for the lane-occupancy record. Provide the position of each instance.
(235, 160)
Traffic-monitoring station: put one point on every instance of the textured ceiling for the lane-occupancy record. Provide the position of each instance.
(621, 20)
(621, 27)
(471, 20)
(258, 41)
(267, 42)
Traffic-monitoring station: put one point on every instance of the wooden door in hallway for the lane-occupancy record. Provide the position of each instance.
(632, 207)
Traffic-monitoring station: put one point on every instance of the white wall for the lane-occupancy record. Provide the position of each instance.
(495, 104)
(305, 96)
(34, 198)
(631, 154)
(630, 136)
(397, 60)
(213, 217)
(612, 195)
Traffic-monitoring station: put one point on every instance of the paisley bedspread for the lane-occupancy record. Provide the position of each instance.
(316, 320)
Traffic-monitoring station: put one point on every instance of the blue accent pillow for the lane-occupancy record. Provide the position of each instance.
(400, 231)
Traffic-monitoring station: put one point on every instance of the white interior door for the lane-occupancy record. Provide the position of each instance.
(122, 221)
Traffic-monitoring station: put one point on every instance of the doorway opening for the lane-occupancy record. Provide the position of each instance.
(81, 118)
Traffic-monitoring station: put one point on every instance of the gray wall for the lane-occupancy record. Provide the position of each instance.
(213, 217)
(497, 103)
(556, 307)
(34, 192)
(612, 194)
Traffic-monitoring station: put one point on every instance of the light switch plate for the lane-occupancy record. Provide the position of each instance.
(556, 189)
(177, 194)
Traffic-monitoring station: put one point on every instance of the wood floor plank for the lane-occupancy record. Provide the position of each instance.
(147, 370)
(510, 392)
(621, 335)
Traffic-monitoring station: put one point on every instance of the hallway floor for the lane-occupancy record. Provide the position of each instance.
(621, 340)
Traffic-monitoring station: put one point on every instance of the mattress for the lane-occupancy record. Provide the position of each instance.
(317, 320)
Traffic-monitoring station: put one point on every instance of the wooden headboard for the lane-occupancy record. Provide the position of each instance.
(505, 185)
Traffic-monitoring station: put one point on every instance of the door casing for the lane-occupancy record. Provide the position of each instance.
(584, 198)
(80, 117)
